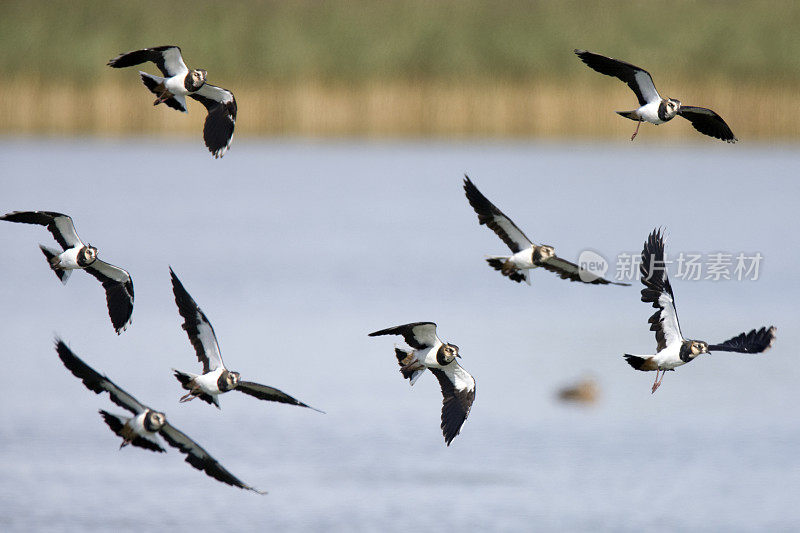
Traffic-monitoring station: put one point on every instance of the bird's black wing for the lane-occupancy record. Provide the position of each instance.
(168, 59)
(221, 106)
(707, 122)
(458, 391)
(568, 270)
(494, 219)
(638, 79)
(197, 326)
(199, 458)
(119, 292)
(418, 335)
(58, 224)
(97, 382)
(755, 341)
(658, 291)
(264, 392)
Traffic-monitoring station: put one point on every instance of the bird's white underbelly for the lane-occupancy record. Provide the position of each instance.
(175, 84)
(523, 259)
(649, 113)
(427, 356)
(137, 424)
(68, 259)
(669, 357)
(208, 382)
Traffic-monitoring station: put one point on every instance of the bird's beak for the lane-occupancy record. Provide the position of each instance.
(458, 355)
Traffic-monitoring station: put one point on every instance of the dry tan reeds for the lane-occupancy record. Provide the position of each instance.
(754, 111)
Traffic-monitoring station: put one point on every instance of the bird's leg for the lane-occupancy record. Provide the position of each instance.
(188, 397)
(163, 94)
(657, 383)
(637, 129)
(411, 367)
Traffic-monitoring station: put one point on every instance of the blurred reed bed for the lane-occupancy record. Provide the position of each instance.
(394, 109)
(401, 68)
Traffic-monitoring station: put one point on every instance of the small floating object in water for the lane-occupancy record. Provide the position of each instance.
(584, 391)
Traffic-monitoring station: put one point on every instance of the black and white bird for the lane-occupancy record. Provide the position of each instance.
(76, 255)
(178, 83)
(143, 428)
(652, 107)
(215, 379)
(526, 254)
(673, 350)
(458, 386)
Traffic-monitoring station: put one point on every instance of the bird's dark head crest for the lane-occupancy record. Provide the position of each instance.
(691, 349)
(446, 354)
(153, 421)
(228, 380)
(195, 79)
(543, 253)
(87, 255)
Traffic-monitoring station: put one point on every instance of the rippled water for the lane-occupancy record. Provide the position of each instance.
(296, 250)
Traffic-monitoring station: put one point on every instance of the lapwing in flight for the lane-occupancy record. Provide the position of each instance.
(673, 350)
(178, 83)
(76, 255)
(458, 386)
(526, 254)
(216, 379)
(143, 428)
(652, 107)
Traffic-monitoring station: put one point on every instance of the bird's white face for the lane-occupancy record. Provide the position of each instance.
(446, 354)
(198, 77)
(154, 421)
(89, 254)
(698, 347)
(450, 352)
(227, 380)
(673, 105)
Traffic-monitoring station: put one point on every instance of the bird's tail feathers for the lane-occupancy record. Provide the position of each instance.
(498, 262)
(184, 377)
(409, 366)
(156, 86)
(116, 423)
(52, 260)
(635, 361)
(629, 114)
(150, 81)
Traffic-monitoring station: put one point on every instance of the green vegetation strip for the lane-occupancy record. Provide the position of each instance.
(450, 40)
